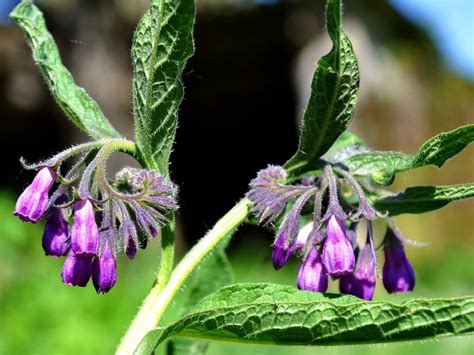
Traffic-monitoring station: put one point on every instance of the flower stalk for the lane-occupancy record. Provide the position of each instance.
(160, 297)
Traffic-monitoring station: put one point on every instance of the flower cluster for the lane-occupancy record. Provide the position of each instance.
(328, 244)
(104, 216)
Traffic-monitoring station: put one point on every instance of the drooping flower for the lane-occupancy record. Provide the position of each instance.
(361, 282)
(104, 270)
(130, 210)
(398, 274)
(56, 234)
(338, 255)
(77, 270)
(84, 231)
(32, 203)
(312, 275)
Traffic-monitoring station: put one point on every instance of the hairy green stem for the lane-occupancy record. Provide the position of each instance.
(159, 298)
(167, 254)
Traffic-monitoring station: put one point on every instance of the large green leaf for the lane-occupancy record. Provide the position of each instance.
(214, 273)
(277, 314)
(162, 44)
(334, 94)
(422, 199)
(381, 166)
(74, 101)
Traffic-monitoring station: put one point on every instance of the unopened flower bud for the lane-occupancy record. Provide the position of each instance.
(131, 250)
(282, 250)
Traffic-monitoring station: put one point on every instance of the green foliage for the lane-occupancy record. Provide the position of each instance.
(422, 199)
(81, 109)
(162, 44)
(334, 94)
(277, 314)
(382, 166)
(214, 273)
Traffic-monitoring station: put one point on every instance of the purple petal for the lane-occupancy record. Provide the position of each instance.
(84, 231)
(32, 203)
(104, 271)
(282, 251)
(361, 282)
(56, 234)
(338, 255)
(312, 275)
(77, 270)
(398, 274)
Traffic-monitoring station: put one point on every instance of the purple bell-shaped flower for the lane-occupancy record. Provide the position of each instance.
(77, 270)
(312, 275)
(398, 274)
(361, 282)
(32, 203)
(104, 271)
(338, 256)
(56, 234)
(84, 231)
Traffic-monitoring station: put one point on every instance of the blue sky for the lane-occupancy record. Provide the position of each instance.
(450, 24)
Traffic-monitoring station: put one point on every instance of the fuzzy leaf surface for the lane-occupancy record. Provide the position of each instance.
(78, 106)
(334, 94)
(162, 44)
(422, 199)
(277, 314)
(381, 166)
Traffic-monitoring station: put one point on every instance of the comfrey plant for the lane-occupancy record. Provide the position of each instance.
(318, 201)
(326, 246)
(130, 210)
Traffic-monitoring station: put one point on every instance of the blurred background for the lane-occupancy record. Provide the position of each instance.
(246, 88)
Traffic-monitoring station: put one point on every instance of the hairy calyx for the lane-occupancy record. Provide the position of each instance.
(327, 243)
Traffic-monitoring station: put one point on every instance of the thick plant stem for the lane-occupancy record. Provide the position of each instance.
(167, 254)
(159, 298)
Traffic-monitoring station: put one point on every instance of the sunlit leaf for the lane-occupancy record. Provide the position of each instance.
(422, 199)
(78, 106)
(334, 94)
(381, 166)
(278, 314)
(162, 44)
